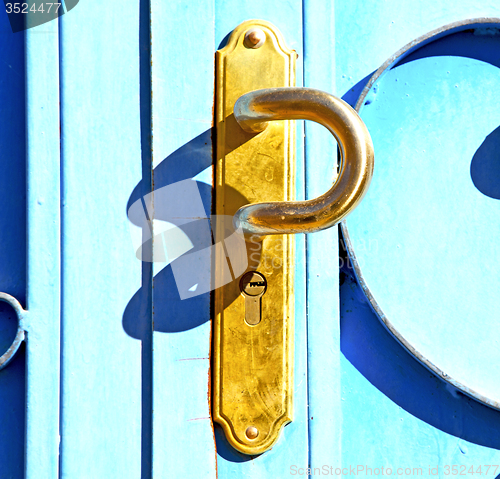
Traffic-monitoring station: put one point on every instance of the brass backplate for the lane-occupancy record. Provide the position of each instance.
(253, 363)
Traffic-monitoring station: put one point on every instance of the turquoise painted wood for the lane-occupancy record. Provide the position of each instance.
(114, 103)
(323, 331)
(30, 246)
(182, 98)
(43, 252)
(101, 380)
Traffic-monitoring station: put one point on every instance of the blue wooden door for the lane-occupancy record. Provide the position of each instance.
(111, 103)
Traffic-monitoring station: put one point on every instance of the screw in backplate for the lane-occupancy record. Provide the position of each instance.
(255, 38)
(252, 432)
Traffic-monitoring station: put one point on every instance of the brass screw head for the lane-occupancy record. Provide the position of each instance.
(252, 432)
(255, 38)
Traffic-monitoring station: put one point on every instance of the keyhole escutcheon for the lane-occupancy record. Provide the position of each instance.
(253, 285)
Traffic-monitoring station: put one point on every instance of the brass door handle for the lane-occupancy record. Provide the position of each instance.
(254, 279)
(254, 110)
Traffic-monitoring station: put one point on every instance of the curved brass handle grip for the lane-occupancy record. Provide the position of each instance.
(253, 110)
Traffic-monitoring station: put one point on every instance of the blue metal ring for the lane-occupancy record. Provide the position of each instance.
(393, 60)
(20, 312)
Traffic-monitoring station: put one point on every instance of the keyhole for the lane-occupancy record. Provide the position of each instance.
(253, 286)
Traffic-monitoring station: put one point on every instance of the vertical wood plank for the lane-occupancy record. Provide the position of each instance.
(43, 258)
(291, 452)
(182, 92)
(101, 167)
(323, 328)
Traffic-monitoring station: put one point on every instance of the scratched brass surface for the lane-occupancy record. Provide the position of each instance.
(253, 365)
